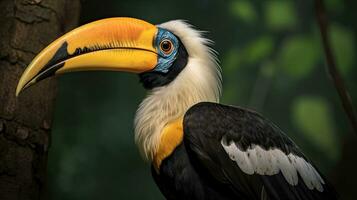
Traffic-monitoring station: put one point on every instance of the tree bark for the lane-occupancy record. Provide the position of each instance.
(27, 26)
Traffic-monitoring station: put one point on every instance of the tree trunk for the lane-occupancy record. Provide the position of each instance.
(27, 26)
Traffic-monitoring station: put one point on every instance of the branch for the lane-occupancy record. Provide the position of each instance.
(331, 65)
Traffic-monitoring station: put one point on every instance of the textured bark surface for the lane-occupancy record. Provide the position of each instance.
(27, 26)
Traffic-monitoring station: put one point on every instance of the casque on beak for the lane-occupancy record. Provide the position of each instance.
(115, 44)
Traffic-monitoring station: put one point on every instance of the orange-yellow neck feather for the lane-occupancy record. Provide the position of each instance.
(171, 137)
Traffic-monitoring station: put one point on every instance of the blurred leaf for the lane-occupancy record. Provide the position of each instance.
(334, 5)
(299, 55)
(280, 15)
(230, 93)
(258, 50)
(244, 10)
(268, 69)
(314, 118)
(255, 52)
(230, 62)
(343, 42)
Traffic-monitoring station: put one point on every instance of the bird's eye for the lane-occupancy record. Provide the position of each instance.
(166, 46)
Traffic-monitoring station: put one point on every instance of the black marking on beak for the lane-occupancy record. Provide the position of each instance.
(50, 71)
(60, 55)
(58, 60)
(55, 63)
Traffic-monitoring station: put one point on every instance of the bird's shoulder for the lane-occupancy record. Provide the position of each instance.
(243, 126)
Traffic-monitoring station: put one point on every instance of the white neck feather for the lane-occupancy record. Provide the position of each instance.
(199, 81)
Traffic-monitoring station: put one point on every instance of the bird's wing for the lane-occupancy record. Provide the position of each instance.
(249, 155)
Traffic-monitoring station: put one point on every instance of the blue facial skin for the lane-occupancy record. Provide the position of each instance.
(165, 60)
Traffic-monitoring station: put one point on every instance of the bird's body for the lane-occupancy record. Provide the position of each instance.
(202, 166)
(199, 149)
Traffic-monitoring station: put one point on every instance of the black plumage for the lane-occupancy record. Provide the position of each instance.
(200, 168)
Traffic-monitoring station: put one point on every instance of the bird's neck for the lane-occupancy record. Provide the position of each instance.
(169, 103)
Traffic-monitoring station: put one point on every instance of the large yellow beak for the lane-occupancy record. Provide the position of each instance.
(117, 44)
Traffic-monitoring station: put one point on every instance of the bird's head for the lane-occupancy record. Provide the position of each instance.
(172, 59)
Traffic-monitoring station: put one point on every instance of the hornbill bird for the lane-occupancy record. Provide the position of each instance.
(198, 148)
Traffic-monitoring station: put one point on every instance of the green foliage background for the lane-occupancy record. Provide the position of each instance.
(272, 62)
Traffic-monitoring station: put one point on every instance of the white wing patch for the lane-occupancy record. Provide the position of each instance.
(270, 162)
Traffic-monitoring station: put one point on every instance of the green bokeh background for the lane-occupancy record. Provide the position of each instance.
(272, 61)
